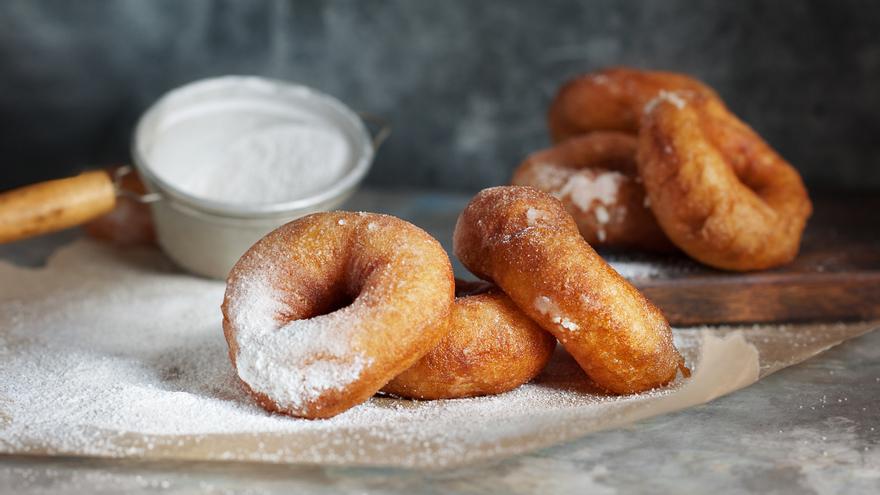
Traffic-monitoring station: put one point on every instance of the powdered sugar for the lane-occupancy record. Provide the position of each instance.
(549, 176)
(635, 270)
(249, 155)
(665, 97)
(568, 324)
(111, 354)
(600, 79)
(297, 362)
(547, 307)
(586, 188)
(643, 267)
(533, 216)
(602, 215)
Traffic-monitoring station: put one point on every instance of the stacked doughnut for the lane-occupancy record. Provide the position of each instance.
(651, 160)
(330, 309)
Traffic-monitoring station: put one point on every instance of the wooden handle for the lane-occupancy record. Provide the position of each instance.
(55, 205)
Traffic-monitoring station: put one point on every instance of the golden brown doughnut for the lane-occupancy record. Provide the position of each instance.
(490, 347)
(612, 100)
(523, 240)
(717, 189)
(325, 310)
(596, 178)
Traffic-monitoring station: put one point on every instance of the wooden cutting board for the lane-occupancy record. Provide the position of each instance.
(836, 276)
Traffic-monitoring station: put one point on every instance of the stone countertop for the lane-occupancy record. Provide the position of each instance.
(810, 428)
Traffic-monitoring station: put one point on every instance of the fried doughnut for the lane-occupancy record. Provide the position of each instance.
(612, 100)
(596, 178)
(717, 189)
(490, 347)
(325, 310)
(523, 240)
(129, 222)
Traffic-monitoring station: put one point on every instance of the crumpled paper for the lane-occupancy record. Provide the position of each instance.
(118, 354)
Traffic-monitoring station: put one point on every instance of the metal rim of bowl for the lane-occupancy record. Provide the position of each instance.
(339, 188)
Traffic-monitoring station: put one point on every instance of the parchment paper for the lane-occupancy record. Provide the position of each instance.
(118, 354)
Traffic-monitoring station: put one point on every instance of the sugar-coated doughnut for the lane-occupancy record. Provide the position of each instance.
(717, 189)
(523, 240)
(490, 347)
(596, 178)
(612, 99)
(325, 310)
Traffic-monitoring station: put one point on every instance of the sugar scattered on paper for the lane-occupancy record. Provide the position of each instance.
(112, 354)
(105, 353)
(295, 363)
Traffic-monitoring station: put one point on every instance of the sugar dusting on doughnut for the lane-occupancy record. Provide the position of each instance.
(592, 191)
(263, 342)
(547, 307)
(591, 186)
(533, 216)
(676, 99)
(595, 178)
(325, 310)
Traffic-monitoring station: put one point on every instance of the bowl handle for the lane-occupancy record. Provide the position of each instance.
(383, 128)
(41, 208)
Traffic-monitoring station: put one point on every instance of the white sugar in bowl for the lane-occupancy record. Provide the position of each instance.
(227, 160)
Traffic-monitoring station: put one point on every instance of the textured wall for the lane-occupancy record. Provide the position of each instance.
(465, 83)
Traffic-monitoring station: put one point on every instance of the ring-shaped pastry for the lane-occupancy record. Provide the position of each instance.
(325, 310)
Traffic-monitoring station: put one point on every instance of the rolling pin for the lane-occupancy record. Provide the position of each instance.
(55, 205)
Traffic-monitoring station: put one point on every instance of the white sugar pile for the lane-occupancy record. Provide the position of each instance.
(248, 156)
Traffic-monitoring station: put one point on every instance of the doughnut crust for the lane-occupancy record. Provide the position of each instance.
(325, 310)
(490, 347)
(612, 99)
(523, 240)
(717, 189)
(596, 178)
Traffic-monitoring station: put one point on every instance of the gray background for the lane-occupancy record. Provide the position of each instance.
(465, 83)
